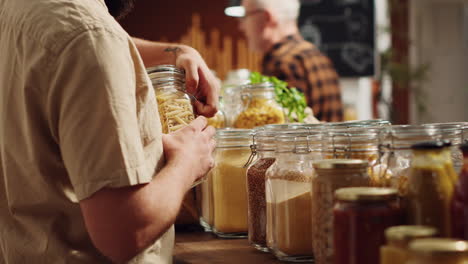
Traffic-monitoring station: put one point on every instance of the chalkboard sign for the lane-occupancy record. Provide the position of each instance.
(344, 30)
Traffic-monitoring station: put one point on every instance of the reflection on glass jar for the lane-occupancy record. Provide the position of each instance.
(219, 120)
(430, 189)
(329, 176)
(453, 133)
(398, 154)
(230, 183)
(205, 196)
(260, 107)
(174, 104)
(359, 143)
(438, 251)
(360, 218)
(460, 200)
(289, 228)
(398, 239)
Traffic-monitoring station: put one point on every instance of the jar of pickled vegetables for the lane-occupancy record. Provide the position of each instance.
(259, 107)
(438, 251)
(398, 239)
(397, 151)
(174, 103)
(430, 188)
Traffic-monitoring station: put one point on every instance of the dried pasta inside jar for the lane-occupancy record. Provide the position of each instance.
(176, 112)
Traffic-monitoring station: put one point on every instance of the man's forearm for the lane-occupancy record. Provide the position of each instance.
(157, 53)
(124, 221)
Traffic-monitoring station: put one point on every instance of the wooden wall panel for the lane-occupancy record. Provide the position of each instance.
(200, 24)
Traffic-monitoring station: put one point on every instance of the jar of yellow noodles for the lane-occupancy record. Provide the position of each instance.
(174, 104)
(260, 107)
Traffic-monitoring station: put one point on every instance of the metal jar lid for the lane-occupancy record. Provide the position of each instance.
(439, 247)
(406, 233)
(341, 164)
(165, 68)
(365, 194)
(259, 86)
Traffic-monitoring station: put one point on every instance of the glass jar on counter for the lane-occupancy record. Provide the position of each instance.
(289, 227)
(205, 198)
(331, 175)
(398, 155)
(259, 107)
(359, 123)
(438, 251)
(460, 200)
(174, 103)
(230, 183)
(398, 239)
(360, 217)
(430, 189)
(453, 133)
(262, 157)
(359, 143)
(219, 120)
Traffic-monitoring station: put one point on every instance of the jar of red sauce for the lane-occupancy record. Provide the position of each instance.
(361, 215)
(460, 200)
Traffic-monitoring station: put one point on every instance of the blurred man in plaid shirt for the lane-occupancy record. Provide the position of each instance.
(271, 28)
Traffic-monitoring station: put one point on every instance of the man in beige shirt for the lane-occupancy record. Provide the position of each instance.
(86, 176)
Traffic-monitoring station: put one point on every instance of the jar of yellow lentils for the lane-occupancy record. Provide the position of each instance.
(259, 107)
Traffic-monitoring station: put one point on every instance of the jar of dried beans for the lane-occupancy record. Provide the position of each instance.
(264, 150)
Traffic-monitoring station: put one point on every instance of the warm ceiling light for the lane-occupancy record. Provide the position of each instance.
(234, 9)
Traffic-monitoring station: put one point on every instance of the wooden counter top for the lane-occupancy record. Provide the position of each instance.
(205, 248)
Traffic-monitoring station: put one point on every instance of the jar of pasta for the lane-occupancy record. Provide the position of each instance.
(174, 103)
(229, 182)
(288, 198)
(438, 251)
(260, 107)
(398, 239)
(330, 175)
(430, 188)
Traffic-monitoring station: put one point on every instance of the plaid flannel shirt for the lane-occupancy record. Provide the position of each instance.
(303, 66)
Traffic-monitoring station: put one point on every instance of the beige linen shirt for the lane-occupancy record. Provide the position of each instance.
(77, 113)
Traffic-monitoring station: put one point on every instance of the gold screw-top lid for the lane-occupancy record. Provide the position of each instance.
(439, 246)
(366, 194)
(404, 234)
(341, 164)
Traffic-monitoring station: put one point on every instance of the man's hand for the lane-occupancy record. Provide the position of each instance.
(200, 81)
(191, 147)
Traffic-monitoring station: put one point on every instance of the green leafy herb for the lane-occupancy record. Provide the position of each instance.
(292, 100)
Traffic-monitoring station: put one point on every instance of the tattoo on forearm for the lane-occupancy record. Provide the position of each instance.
(174, 51)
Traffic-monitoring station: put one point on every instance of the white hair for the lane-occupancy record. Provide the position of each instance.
(286, 10)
